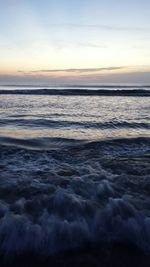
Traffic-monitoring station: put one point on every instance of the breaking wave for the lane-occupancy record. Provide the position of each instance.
(109, 91)
(73, 194)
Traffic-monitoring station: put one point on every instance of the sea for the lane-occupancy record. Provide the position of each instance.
(75, 175)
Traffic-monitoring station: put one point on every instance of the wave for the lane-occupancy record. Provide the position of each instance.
(85, 92)
(72, 195)
(45, 143)
(59, 143)
(47, 123)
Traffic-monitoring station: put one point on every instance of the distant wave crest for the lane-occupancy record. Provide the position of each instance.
(75, 91)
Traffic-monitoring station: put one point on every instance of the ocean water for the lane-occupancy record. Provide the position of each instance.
(75, 169)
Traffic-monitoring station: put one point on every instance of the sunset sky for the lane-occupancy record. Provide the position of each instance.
(72, 41)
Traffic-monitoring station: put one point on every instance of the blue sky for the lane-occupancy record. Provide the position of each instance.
(70, 41)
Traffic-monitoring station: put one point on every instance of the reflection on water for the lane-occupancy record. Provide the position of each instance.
(79, 117)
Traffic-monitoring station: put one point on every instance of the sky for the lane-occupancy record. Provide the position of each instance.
(74, 41)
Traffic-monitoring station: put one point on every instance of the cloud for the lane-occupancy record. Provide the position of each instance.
(140, 46)
(141, 77)
(92, 45)
(75, 70)
(101, 27)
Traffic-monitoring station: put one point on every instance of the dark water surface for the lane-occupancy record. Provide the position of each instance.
(75, 178)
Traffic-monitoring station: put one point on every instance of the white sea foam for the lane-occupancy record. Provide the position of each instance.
(52, 200)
